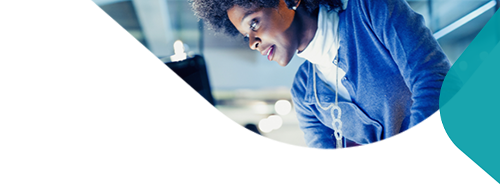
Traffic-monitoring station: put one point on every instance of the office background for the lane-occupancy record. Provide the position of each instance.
(244, 83)
(120, 110)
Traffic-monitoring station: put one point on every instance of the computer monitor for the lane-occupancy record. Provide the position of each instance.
(190, 79)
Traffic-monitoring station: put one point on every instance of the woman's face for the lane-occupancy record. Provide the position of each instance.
(271, 31)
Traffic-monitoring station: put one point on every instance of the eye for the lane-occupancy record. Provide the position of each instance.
(254, 25)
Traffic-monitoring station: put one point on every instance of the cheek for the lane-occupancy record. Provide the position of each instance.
(288, 41)
(281, 32)
(279, 35)
(278, 24)
(282, 28)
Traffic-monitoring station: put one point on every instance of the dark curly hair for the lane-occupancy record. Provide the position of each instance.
(214, 12)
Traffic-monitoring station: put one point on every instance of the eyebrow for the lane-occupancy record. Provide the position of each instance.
(247, 13)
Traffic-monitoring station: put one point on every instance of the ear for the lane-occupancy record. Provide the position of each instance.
(293, 4)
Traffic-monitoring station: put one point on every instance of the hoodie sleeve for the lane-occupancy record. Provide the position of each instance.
(420, 59)
(316, 134)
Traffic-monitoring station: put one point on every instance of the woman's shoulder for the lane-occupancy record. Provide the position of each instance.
(370, 6)
(301, 78)
(303, 71)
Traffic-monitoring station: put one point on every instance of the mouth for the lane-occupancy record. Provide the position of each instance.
(269, 53)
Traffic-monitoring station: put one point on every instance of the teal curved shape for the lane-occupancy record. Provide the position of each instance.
(470, 99)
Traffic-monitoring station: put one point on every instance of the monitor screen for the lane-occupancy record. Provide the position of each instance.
(190, 79)
(194, 72)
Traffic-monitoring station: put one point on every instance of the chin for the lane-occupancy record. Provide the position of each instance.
(283, 63)
(282, 60)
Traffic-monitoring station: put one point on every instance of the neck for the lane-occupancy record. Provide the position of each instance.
(308, 24)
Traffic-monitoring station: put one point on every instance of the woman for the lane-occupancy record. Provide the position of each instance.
(373, 69)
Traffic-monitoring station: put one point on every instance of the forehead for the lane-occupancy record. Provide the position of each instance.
(237, 13)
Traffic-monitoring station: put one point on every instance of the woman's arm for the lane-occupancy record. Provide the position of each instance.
(315, 133)
(419, 57)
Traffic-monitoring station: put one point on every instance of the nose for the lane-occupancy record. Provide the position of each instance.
(254, 42)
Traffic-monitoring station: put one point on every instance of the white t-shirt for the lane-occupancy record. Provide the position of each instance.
(323, 48)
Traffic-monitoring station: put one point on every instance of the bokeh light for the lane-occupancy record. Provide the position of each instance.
(275, 122)
(260, 107)
(283, 107)
(179, 52)
(178, 47)
(265, 126)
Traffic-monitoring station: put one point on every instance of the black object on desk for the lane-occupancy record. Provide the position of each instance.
(190, 79)
(253, 137)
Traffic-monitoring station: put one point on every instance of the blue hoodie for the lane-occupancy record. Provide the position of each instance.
(394, 72)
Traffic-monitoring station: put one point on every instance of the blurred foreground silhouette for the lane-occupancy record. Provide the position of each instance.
(253, 137)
